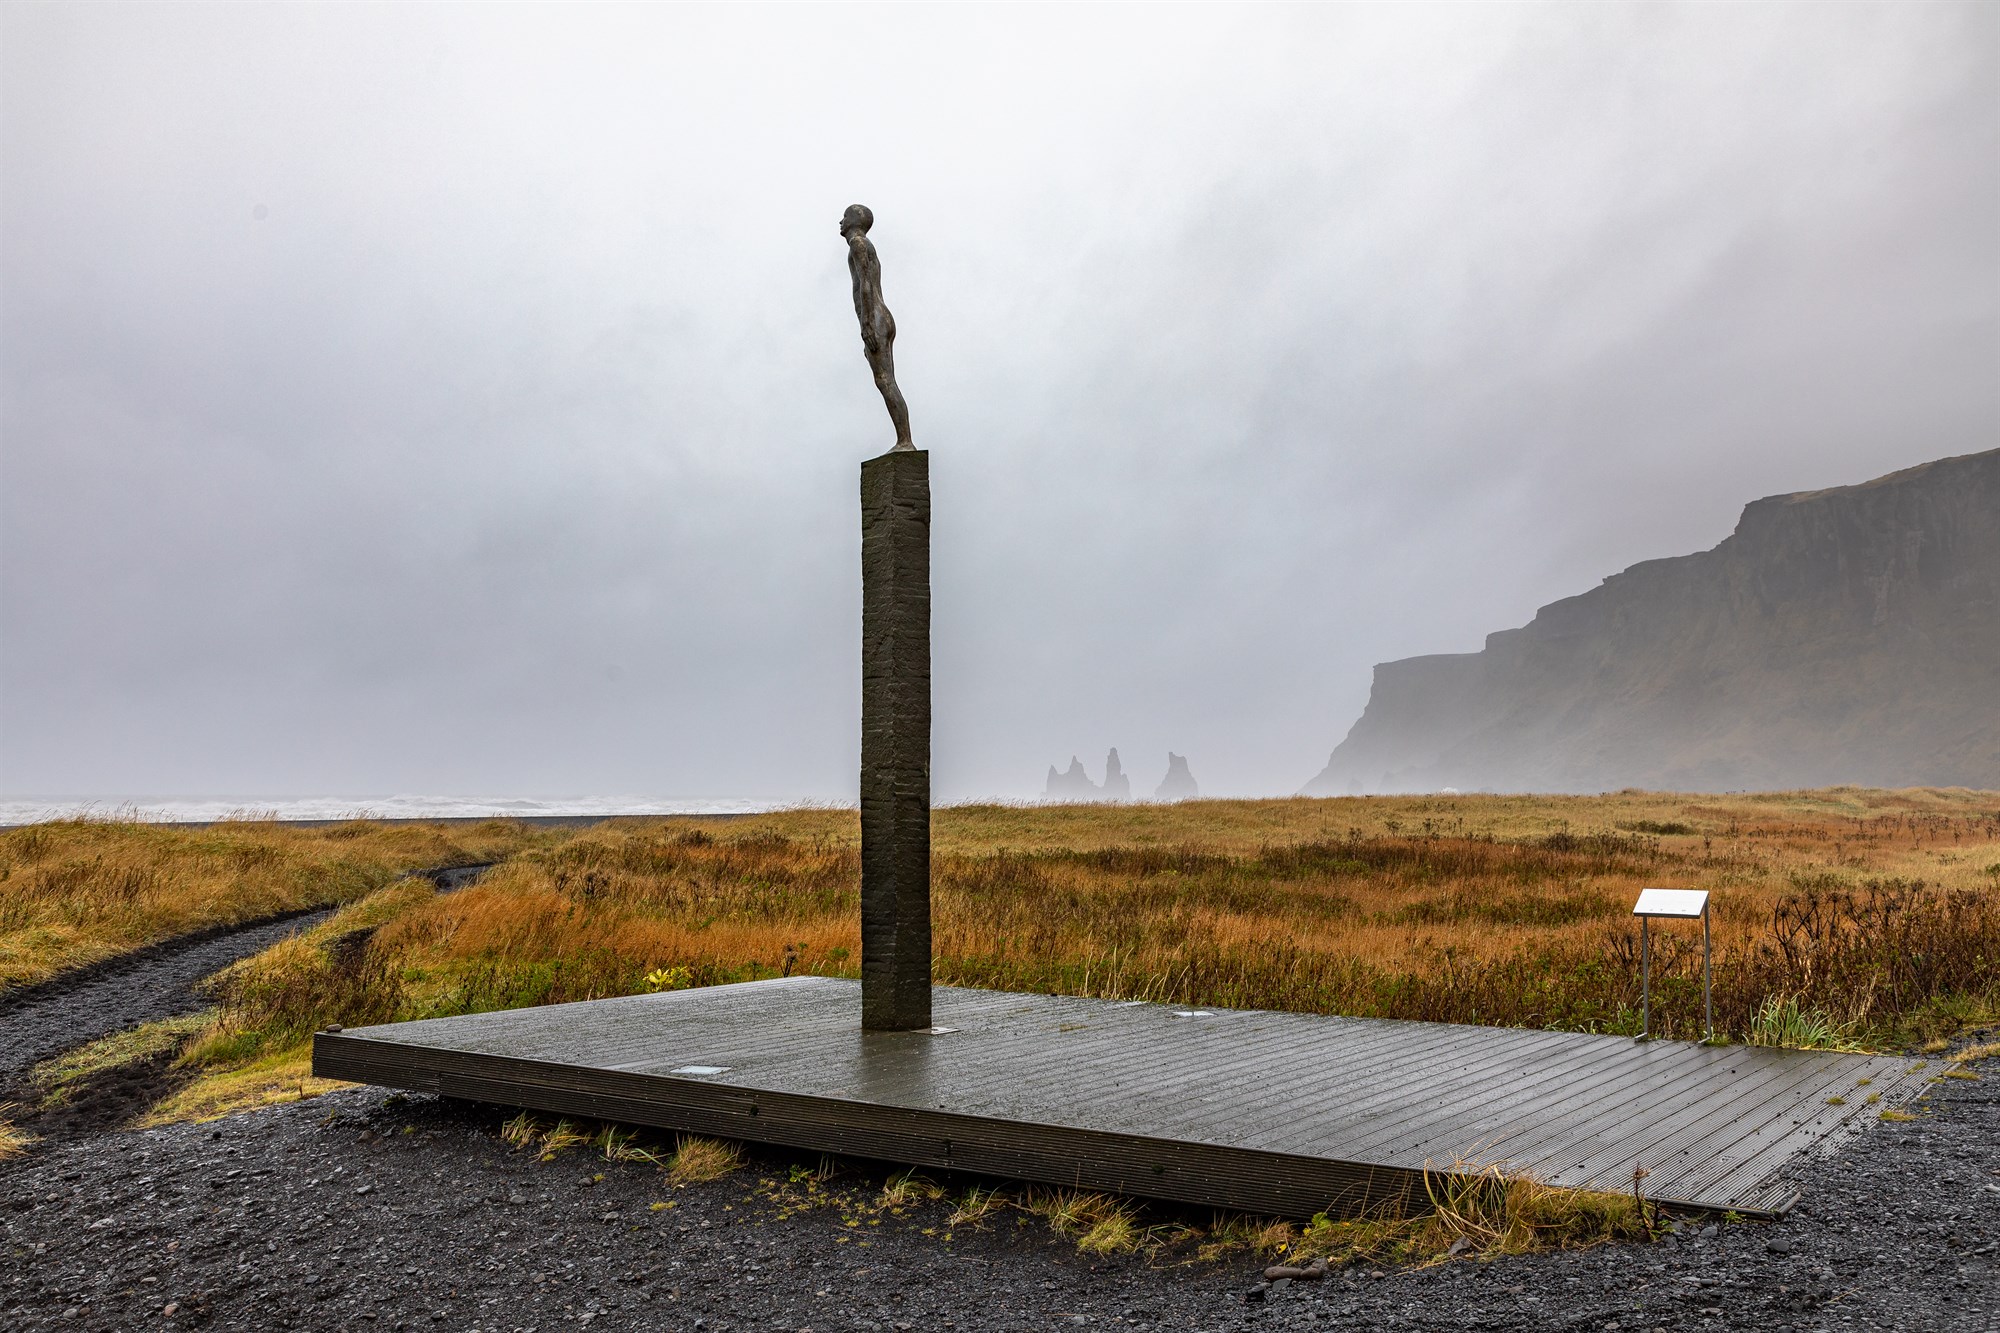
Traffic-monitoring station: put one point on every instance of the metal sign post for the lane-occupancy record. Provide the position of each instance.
(1684, 904)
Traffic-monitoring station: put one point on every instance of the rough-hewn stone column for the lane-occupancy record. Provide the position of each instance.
(896, 741)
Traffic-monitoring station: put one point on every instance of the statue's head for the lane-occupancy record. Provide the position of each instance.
(857, 218)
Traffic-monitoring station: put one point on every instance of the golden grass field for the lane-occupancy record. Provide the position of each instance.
(1878, 908)
(78, 891)
(1869, 916)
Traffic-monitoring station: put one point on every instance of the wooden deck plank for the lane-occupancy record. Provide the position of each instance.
(1471, 1122)
(1455, 1059)
(1423, 1063)
(1775, 1166)
(1263, 1111)
(1700, 1128)
(1121, 1062)
(1478, 1117)
(1731, 1170)
(1317, 1064)
(1656, 1082)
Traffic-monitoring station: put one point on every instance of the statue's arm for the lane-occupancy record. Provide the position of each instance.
(867, 269)
(868, 304)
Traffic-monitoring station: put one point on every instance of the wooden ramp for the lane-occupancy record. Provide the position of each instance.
(1286, 1114)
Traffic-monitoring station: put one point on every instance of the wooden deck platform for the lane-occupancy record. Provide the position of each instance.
(1285, 1114)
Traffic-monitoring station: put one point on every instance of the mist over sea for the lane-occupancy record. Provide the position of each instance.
(207, 809)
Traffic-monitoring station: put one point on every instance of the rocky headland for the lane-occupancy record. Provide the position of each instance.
(1849, 635)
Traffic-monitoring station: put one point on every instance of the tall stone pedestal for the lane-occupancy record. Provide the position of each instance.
(896, 741)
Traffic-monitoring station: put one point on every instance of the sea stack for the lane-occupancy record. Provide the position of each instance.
(1117, 787)
(1178, 784)
(1073, 784)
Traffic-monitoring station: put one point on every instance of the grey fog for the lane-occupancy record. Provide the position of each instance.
(467, 398)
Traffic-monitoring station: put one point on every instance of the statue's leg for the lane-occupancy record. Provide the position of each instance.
(884, 367)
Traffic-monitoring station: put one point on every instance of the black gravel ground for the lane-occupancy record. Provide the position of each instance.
(368, 1210)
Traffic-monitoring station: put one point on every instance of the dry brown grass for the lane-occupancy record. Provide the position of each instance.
(906, 1188)
(76, 891)
(1480, 1211)
(1862, 913)
(1098, 1223)
(268, 1080)
(697, 1159)
(1473, 909)
(14, 1142)
(978, 1203)
(692, 1159)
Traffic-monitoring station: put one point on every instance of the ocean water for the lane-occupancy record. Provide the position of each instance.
(203, 809)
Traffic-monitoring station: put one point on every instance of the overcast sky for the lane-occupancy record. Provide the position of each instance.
(468, 399)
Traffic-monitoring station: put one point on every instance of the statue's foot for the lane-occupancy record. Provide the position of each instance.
(903, 446)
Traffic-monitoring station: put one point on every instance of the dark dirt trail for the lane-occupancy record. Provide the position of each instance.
(71, 1010)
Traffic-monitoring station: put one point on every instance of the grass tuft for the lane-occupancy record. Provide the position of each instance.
(561, 1136)
(977, 1204)
(1099, 1223)
(1782, 1021)
(14, 1142)
(907, 1188)
(521, 1133)
(1232, 1233)
(620, 1144)
(1479, 1211)
(1116, 1232)
(698, 1159)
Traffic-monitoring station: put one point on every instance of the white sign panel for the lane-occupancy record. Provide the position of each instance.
(1671, 902)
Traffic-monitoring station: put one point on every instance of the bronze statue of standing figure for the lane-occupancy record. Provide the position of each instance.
(878, 326)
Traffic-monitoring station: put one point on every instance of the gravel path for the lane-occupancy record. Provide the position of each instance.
(156, 982)
(368, 1210)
